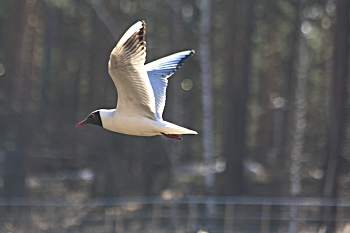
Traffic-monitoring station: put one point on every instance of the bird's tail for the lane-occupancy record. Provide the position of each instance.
(170, 128)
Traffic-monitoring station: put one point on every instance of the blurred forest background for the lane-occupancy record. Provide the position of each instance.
(267, 91)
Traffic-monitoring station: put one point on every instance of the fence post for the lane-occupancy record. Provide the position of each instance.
(293, 222)
(192, 217)
(265, 218)
(228, 222)
(109, 212)
(156, 210)
(119, 223)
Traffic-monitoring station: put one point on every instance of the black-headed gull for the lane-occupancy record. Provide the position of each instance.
(141, 89)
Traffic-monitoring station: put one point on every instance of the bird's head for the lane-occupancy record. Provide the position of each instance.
(93, 118)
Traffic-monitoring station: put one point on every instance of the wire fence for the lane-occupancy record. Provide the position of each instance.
(190, 214)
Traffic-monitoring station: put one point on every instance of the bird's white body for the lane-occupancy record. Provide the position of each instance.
(138, 126)
(141, 88)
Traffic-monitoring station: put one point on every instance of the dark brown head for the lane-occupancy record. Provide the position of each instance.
(94, 118)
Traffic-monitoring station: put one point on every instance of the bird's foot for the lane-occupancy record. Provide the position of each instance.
(173, 136)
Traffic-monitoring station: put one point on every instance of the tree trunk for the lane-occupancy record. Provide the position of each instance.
(267, 89)
(299, 122)
(20, 36)
(207, 94)
(237, 93)
(19, 103)
(337, 106)
(54, 15)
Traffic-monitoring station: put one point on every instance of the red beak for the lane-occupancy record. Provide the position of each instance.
(80, 123)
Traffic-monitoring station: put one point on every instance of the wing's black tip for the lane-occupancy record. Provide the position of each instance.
(142, 31)
(139, 36)
(183, 59)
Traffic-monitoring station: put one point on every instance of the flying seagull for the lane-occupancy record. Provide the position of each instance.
(141, 89)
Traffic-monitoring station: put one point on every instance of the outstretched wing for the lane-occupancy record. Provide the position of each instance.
(159, 71)
(126, 67)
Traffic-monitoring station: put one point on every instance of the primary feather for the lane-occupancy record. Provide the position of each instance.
(126, 67)
(159, 71)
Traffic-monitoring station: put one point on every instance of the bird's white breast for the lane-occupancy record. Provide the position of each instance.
(129, 124)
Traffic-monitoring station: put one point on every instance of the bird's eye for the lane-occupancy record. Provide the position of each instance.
(92, 115)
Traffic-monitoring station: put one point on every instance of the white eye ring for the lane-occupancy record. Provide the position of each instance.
(93, 115)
